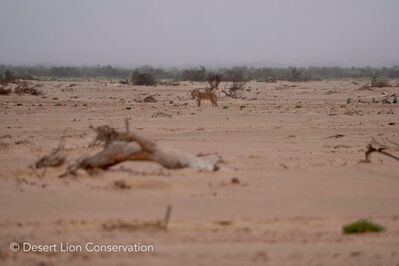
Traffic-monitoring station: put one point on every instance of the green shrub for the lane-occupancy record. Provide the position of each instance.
(362, 226)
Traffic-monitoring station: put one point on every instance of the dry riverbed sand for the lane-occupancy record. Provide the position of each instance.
(290, 179)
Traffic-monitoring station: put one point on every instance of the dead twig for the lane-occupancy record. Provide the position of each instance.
(36, 173)
(127, 125)
(166, 219)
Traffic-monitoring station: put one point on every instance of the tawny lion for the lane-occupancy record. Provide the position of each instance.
(204, 95)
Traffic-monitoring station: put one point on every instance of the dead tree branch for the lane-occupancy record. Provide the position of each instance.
(128, 146)
(378, 147)
(54, 159)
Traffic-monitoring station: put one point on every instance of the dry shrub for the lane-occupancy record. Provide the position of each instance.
(235, 90)
(25, 88)
(213, 80)
(380, 82)
(238, 79)
(297, 74)
(8, 77)
(4, 90)
(145, 79)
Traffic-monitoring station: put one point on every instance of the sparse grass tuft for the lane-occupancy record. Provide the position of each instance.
(362, 226)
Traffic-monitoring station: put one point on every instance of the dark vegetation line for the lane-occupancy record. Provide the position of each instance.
(201, 73)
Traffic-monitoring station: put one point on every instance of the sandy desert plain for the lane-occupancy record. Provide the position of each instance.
(290, 177)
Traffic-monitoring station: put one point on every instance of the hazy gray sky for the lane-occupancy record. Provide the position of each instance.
(180, 32)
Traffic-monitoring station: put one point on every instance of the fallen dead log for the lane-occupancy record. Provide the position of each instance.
(127, 146)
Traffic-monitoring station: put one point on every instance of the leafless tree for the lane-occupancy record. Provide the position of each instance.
(214, 81)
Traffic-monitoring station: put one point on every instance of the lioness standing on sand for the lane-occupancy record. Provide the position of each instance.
(204, 95)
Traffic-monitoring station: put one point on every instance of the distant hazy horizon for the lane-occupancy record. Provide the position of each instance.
(188, 33)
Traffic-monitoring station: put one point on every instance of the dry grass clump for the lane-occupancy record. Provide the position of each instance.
(133, 226)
